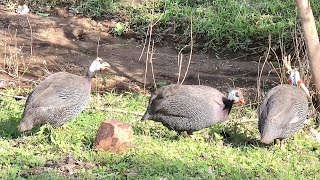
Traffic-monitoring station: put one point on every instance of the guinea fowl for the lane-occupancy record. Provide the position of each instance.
(190, 107)
(284, 110)
(59, 98)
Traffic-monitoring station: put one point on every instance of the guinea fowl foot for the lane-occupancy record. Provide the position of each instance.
(186, 134)
(280, 143)
(65, 126)
(191, 135)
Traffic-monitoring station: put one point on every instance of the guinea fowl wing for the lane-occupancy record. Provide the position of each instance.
(283, 111)
(183, 104)
(60, 92)
(46, 83)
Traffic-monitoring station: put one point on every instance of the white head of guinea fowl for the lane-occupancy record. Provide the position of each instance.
(236, 96)
(294, 78)
(97, 65)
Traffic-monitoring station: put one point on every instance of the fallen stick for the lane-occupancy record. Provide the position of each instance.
(116, 110)
(9, 95)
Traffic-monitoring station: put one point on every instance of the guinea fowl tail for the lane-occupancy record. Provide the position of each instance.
(25, 125)
(146, 116)
(267, 138)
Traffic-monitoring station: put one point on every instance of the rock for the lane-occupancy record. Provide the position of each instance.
(130, 34)
(132, 173)
(114, 136)
(61, 12)
(69, 160)
(78, 33)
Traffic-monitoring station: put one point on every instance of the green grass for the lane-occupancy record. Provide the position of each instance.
(157, 152)
(234, 24)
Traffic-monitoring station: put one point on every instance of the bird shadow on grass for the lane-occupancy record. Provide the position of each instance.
(9, 129)
(155, 130)
(235, 137)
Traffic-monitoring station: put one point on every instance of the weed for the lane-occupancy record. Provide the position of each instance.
(119, 29)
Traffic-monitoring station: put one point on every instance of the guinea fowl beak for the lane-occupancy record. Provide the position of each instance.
(240, 101)
(104, 66)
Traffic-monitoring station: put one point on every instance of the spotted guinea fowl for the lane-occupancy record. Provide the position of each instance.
(190, 107)
(284, 110)
(59, 98)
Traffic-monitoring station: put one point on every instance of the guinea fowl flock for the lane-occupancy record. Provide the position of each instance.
(62, 96)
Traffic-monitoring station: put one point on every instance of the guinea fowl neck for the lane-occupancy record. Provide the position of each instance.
(90, 75)
(227, 104)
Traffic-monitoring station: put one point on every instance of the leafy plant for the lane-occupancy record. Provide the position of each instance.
(119, 29)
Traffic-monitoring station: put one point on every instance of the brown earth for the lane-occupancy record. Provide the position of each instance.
(69, 43)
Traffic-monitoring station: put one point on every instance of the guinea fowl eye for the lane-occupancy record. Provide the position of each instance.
(237, 94)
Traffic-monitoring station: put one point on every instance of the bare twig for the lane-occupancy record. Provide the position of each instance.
(98, 47)
(9, 95)
(31, 37)
(14, 76)
(151, 62)
(116, 110)
(261, 70)
(305, 89)
(149, 58)
(180, 56)
(191, 48)
(14, 55)
(275, 70)
(144, 45)
(275, 54)
(287, 63)
(5, 49)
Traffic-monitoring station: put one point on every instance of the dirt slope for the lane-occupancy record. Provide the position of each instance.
(56, 48)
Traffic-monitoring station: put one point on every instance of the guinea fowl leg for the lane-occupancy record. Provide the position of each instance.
(186, 134)
(281, 143)
(65, 126)
(276, 142)
(190, 134)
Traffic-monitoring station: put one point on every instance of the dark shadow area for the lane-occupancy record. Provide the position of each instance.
(232, 136)
(9, 130)
(159, 166)
(9, 123)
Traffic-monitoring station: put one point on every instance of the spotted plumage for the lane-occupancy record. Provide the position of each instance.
(58, 98)
(282, 113)
(189, 107)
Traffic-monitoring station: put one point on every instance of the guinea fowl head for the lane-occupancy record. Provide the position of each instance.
(294, 78)
(97, 65)
(236, 96)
